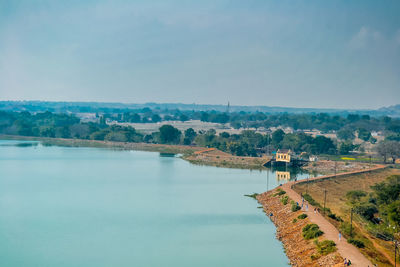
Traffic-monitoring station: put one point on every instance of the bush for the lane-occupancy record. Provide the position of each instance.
(355, 195)
(325, 247)
(284, 200)
(336, 218)
(311, 231)
(356, 242)
(327, 210)
(310, 200)
(366, 210)
(279, 192)
(345, 228)
(315, 257)
(302, 216)
(295, 207)
(294, 220)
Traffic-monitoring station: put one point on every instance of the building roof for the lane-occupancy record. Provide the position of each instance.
(284, 151)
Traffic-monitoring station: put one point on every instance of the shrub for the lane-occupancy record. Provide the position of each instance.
(311, 200)
(284, 200)
(311, 231)
(294, 220)
(315, 257)
(366, 210)
(355, 195)
(325, 247)
(279, 192)
(345, 228)
(295, 207)
(302, 216)
(336, 218)
(356, 242)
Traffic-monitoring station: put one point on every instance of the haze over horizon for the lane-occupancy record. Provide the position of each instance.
(273, 53)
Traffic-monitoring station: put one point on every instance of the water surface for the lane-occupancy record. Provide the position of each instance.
(98, 207)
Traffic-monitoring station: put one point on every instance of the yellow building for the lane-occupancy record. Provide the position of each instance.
(283, 155)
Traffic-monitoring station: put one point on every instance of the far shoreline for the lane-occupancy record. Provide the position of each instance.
(192, 154)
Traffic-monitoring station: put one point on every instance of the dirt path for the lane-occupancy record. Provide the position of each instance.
(345, 249)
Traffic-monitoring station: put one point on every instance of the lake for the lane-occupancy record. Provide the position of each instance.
(64, 206)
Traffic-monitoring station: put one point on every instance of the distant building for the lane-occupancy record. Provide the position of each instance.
(283, 155)
(313, 158)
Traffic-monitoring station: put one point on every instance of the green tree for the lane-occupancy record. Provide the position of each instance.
(155, 118)
(183, 117)
(364, 134)
(345, 134)
(169, 134)
(277, 136)
(190, 134)
(346, 147)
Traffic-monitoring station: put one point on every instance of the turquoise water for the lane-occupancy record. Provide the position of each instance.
(97, 207)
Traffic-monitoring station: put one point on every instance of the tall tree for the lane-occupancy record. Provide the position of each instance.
(169, 134)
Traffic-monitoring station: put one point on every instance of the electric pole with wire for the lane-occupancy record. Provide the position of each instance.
(324, 201)
(351, 222)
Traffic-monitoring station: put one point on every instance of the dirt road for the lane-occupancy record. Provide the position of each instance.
(345, 249)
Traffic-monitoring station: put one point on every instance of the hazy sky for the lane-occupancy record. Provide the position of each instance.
(342, 54)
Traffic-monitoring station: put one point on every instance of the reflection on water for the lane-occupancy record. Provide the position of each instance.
(282, 175)
(285, 174)
(20, 143)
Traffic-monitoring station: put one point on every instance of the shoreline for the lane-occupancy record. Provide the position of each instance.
(191, 154)
(298, 250)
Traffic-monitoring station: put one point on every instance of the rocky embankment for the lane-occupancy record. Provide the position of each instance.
(289, 232)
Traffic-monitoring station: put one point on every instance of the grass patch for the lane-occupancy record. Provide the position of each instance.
(356, 242)
(284, 200)
(311, 231)
(279, 192)
(302, 216)
(315, 257)
(310, 200)
(295, 207)
(325, 247)
(335, 217)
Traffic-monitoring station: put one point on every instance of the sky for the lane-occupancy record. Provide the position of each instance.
(321, 54)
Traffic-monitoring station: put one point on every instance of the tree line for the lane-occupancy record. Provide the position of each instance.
(247, 143)
(380, 208)
(347, 127)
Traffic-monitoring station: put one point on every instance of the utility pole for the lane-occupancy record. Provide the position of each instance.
(307, 184)
(324, 200)
(335, 167)
(351, 222)
(370, 161)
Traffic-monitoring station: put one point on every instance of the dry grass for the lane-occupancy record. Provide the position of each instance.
(376, 250)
